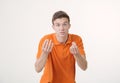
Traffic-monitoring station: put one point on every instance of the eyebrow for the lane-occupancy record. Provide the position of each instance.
(63, 22)
(66, 22)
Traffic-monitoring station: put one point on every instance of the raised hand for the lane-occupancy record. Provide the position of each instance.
(47, 46)
(74, 49)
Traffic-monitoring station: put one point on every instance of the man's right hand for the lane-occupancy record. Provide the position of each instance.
(47, 46)
(46, 49)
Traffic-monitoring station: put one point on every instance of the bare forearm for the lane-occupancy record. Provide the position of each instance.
(46, 49)
(40, 63)
(81, 61)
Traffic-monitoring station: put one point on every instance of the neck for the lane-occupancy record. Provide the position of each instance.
(62, 39)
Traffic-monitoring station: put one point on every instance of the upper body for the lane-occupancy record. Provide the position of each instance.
(59, 51)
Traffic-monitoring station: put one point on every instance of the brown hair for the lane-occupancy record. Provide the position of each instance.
(60, 14)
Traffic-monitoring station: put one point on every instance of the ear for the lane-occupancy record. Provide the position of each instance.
(69, 26)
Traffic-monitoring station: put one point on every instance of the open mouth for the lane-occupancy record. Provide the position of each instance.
(62, 32)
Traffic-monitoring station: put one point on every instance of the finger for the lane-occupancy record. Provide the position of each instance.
(71, 49)
(73, 43)
(49, 45)
(45, 44)
(74, 49)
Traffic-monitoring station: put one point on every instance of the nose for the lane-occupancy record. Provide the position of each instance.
(62, 28)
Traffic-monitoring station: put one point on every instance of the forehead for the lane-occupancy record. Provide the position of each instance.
(61, 20)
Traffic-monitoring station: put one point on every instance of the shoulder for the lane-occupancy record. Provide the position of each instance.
(75, 37)
(47, 36)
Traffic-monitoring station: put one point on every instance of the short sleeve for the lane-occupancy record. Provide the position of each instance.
(80, 46)
(39, 51)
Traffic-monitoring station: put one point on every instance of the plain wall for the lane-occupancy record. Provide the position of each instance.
(24, 22)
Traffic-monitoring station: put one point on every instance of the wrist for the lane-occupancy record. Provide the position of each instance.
(45, 53)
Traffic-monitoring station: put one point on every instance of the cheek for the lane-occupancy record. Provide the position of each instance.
(56, 30)
(67, 29)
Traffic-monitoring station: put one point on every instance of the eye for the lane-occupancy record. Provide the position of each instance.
(57, 25)
(65, 24)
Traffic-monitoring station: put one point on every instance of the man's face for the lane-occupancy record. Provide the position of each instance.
(61, 27)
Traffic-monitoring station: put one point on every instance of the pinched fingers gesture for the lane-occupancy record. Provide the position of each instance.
(47, 46)
(74, 49)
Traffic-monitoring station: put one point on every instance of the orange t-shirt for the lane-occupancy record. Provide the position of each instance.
(60, 65)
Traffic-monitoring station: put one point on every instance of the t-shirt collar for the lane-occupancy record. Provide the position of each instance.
(56, 42)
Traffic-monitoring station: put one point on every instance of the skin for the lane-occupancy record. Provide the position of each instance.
(61, 27)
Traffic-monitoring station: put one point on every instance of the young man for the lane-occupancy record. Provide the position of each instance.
(59, 51)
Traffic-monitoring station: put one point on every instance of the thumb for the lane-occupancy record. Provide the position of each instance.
(73, 43)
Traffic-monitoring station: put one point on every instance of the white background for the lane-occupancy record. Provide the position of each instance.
(24, 22)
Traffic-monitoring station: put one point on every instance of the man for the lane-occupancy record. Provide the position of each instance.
(59, 51)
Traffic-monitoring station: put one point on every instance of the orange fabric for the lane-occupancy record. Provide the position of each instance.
(60, 66)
